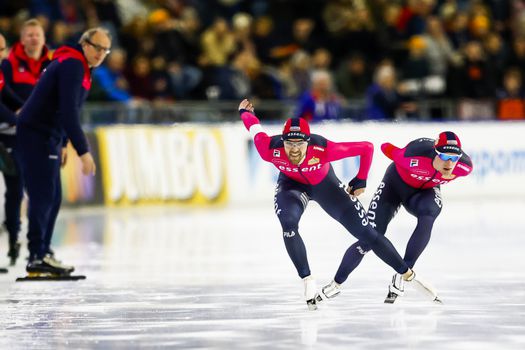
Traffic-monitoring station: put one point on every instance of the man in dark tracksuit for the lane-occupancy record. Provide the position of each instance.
(50, 116)
(8, 102)
(22, 69)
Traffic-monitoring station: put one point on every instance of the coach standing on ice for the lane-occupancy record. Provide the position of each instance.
(49, 118)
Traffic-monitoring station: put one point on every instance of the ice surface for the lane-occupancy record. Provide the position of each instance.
(221, 279)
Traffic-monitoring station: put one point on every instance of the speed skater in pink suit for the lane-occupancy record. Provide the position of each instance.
(303, 160)
(413, 180)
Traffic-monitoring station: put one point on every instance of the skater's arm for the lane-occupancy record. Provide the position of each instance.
(390, 150)
(363, 149)
(252, 124)
(464, 166)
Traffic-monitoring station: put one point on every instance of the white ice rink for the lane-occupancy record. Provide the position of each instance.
(221, 279)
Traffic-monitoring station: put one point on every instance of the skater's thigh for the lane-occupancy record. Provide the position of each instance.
(426, 202)
(289, 206)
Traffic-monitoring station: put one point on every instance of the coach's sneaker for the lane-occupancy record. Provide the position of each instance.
(310, 290)
(51, 260)
(39, 267)
(329, 291)
(396, 288)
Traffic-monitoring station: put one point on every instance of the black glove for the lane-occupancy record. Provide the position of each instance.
(355, 184)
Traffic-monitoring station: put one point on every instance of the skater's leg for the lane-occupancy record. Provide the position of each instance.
(289, 207)
(426, 206)
(383, 207)
(352, 215)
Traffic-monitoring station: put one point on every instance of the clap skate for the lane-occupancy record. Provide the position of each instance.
(49, 269)
(310, 291)
(329, 291)
(395, 289)
(425, 288)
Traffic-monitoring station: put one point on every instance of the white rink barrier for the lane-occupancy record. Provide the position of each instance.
(200, 164)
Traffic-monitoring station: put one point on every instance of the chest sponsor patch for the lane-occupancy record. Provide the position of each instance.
(276, 153)
(414, 162)
(420, 172)
(313, 161)
(279, 161)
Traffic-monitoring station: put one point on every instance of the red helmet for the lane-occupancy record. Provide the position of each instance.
(296, 128)
(448, 142)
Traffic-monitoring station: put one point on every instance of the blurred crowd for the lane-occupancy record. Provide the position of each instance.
(322, 54)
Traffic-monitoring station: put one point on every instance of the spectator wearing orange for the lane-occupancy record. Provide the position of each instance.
(511, 98)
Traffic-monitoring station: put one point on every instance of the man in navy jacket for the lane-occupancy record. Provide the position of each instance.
(22, 69)
(51, 116)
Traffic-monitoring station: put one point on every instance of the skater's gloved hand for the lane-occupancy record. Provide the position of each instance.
(356, 186)
(245, 106)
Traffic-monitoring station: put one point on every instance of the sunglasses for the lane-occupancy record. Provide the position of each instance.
(99, 48)
(297, 144)
(445, 157)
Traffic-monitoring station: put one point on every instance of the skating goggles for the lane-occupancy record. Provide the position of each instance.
(296, 144)
(444, 157)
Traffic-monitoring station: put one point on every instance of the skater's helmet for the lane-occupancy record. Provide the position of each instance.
(448, 142)
(296, 128)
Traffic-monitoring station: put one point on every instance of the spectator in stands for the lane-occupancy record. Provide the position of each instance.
(353, 77)
(439, 50)
(218, 43)
(477, 87)
(242, 31)
(301, 66)
(416, 66)
(139, 78)
(475, 74)
(163, 89)
(321, 59)
(110, 76)
(496, 55)
(264, 39)
(517, 57)
(511, 98)
(458, 32)
(302, 35)
(321, 102)
(383, 98)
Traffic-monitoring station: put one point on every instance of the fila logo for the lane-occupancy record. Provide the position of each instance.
(288, 234)
(414, 162)
(276, 153)
(361, 250)
(317, 148)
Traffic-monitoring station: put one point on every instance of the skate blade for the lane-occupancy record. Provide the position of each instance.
(438, 301)
(311, 304)
(34, 276)
(391, 298)
(3, 270)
